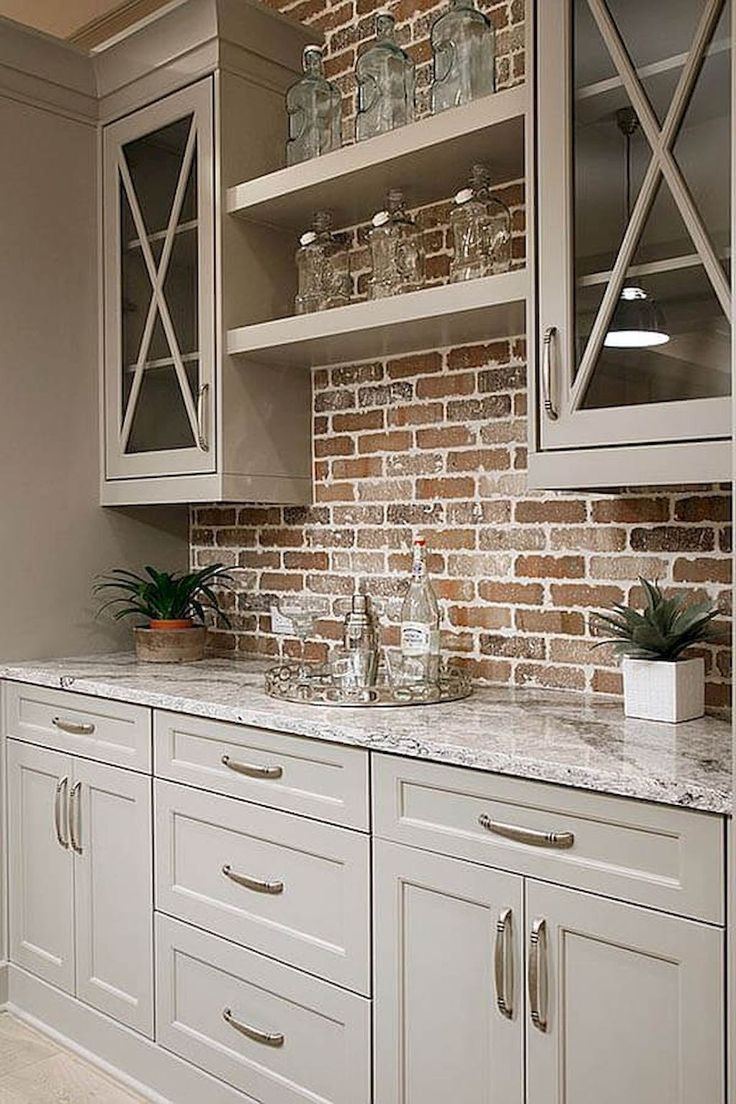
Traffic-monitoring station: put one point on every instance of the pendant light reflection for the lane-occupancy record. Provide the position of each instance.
(637, 322)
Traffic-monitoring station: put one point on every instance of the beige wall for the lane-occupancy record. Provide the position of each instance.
(54, 536)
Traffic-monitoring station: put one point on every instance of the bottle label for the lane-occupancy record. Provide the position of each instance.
(418, 639)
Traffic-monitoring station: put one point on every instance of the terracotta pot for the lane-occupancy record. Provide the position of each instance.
(170, 645)
(166, 626)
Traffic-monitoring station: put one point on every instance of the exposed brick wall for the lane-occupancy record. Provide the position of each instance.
(436, 443)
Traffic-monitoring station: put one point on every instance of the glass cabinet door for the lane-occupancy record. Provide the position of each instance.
(159, 288)
(634, 184)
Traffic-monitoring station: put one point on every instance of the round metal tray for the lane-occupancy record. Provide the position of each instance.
(313, 685)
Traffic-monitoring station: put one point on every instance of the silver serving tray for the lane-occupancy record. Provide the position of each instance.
(313, 685)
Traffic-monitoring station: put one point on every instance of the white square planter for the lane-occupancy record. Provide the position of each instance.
(660, 691)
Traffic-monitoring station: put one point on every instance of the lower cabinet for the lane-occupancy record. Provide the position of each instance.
(449, 1001)
(81, 879)
(619, 1003)
(626, 1004)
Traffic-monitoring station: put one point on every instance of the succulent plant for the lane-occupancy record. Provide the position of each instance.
(164, 595)
(661, 631)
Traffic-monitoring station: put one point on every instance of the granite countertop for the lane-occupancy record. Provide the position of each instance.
(547, 735)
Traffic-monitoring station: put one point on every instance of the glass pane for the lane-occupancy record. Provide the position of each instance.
(703, 146)
(659, 32)
(693, 363)
(160, 420)
(155, 162)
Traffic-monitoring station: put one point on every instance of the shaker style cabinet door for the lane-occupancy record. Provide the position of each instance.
(41, 867)
(449, 1000)
(625, 1004)
(634, 124)
(110, 821)
(159, 288)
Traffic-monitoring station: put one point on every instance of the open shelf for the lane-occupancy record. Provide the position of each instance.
(429, 159)
(435, 317)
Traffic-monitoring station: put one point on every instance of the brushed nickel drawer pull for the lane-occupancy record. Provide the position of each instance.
(266, 1037)
(74, 728)
(75, 825)
(250, 769)
(255, 884)
(538, 974)
(503, 965)
(562, 841)
(61, 788)
(201, 428)
(547, 399)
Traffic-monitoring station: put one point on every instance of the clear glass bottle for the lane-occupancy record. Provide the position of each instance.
(481, 230)
(385, 77)
(323, 270)
(397, 252)
(464, 51)
(420, 623)
(314, 107)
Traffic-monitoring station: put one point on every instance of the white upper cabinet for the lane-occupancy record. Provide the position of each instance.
(633, 215)
(191, 104)
(159, 267)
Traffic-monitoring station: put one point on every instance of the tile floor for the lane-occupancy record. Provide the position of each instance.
(36, 1070)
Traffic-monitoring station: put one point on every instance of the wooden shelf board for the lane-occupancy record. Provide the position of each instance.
(429, 159)
(437, 317)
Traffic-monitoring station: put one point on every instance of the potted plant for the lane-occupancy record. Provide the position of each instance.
(660, 684)
(174, 605)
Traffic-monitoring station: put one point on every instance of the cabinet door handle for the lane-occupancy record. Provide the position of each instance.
(547, 401)
(503, 964)
(268, 1038)
(201, 426)
(250, 769)
(538, 974)
(75, 824)
(74, 728)
(561, 841)
(255, 884)
(61, 788)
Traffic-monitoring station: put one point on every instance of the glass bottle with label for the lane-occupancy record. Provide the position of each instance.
(323, 269)
(463, 46)
(481, 230)
(420, 623)
(397, 252)
(314, 107)
(385, 77)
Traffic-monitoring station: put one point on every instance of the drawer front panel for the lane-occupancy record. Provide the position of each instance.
(293, 773)
(278, 1035)
(292, 888)
(670, 859)
(108, 731)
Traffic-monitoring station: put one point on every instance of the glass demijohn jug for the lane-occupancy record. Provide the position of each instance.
(463, 46)
(481, 231)
(385, 76)
(322, 265)
(314, 107)
(397, 252)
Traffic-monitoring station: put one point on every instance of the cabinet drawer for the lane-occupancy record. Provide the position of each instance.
(670, 859)
(109, 731)
(293, 773)
(292, 888)
(278, 1035)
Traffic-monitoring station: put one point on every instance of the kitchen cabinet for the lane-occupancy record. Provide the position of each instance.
(622, 1002)
(80, 879)
(449, 998)
(625, 1003)
(633, 206)
(182, 420)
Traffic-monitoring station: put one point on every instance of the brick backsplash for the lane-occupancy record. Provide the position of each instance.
(436, 443)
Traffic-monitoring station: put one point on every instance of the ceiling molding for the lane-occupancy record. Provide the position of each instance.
(114, 22)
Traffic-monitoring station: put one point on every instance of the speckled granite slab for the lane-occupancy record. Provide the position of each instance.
(546, 735)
